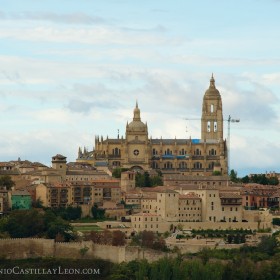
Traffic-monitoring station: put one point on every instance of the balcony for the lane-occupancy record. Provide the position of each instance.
(231, 201)
(196, 157)
(210, 157)
(114, 156)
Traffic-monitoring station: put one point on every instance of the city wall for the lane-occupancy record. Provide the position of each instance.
(22, 248)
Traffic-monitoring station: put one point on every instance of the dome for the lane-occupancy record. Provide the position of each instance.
(136, 124)
(212, 91)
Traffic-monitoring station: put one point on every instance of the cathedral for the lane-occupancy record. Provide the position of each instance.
(182, 156)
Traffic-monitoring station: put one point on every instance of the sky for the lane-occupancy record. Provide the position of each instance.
(70, 70)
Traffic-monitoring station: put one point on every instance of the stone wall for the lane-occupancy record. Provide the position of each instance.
(32, 248)
(21, 248)
(137, 253)
(74, 250)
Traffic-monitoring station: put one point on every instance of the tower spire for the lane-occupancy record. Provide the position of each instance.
(212, 82)
(136, 113)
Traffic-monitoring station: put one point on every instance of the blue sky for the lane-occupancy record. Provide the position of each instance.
(70, 70)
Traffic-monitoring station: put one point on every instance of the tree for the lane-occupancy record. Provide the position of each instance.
(245, 179)
(139, 180)
(147, 180)
(117, 172)
(273, 181)
(147, 239)
(60, 226)
(156, 181)
(97, 213)
(73, 213)
(268, 245)
(6, 181)
(233, 176)
(38, 203)
(25, 223)
(118, 238)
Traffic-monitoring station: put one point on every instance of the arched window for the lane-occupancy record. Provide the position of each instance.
(182, 152)
(154, 165)
(215, 126)
(197, 152)
(168, 152)
(212, 108)
(168, 165)
(208, 126)
(212, 152)
(182, 165)
(211, 165)
(116, 151)
(155, 152)
(197, 165)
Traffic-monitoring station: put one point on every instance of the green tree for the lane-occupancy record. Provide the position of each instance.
(245, 179)
(139, 180)
(73, 213)
(97, 213)
(268, 245)
(38, 203)
(117, 172)
(156, 181)
(147, 180)
(60, 226)
(233, 176)
(25, 223)
(6, 181)
(273, 181)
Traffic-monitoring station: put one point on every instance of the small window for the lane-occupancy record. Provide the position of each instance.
(208, 126)
(215, 126)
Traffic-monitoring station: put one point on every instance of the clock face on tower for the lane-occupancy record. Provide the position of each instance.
(136, 152)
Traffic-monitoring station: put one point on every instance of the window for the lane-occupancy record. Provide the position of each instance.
(208, 126)
(182, 152)
(215, 126)
(168, 152)
(197, 165)
(168, 165)
(212, 108)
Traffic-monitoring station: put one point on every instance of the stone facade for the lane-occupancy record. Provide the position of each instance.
(187, 156)
(79, 193)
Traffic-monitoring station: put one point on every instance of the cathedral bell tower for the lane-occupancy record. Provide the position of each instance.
(212, 114)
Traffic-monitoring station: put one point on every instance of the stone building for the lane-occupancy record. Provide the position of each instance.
(186, 156)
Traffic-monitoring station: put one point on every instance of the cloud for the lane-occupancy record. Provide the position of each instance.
(254, 153)
(72, 18)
